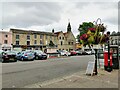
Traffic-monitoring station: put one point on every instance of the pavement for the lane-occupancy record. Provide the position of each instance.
(103, 79)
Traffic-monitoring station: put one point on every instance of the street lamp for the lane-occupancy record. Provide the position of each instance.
(96, 49)
(96, 62)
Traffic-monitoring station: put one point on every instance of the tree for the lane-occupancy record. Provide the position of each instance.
(83, 28)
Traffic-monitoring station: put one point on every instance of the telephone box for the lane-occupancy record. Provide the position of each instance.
(106, 60)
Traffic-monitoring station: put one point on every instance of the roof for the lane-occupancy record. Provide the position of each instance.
(31, 32)
(57, 33)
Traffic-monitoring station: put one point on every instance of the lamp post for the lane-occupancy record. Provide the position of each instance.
(96, 62)
(96, 50)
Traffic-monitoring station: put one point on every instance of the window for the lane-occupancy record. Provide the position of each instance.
(35, 36)
(112, 42)
(5, 41)
(50, 37)
(115, 41)
(28, 42)
(72, 43)
(17, 37)
(54, 38)
(41, 36)
(63, 38)
(59, 37)
(17, 42)
(41, 42)
(61, 43)
(35, 42)
(68, 43)
(6, 36)
(28, 37)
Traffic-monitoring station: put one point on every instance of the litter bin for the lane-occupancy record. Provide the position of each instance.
(106, 60)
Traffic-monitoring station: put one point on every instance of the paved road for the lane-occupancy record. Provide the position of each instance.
(20, 74)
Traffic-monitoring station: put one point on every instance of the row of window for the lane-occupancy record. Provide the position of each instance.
(66, 49)
(35, 36)
(61, 38)
(28, 42)
(115, 42)
(69, 43)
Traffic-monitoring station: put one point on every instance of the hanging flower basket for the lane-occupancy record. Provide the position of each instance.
(94, 35)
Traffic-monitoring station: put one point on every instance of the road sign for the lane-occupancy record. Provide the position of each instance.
(90, 68)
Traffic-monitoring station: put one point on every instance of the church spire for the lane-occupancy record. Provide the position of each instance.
(69, 27)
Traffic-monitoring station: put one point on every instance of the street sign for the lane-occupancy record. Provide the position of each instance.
(90, 68)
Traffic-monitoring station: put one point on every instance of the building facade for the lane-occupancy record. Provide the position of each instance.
(66, 41)
(5, 40)
(115, 40)
(24, 39)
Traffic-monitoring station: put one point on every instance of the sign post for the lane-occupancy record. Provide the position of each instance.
(90, 68)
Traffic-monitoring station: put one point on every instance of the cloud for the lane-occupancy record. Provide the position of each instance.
(112, 20)
(25, 14)
(45, 16)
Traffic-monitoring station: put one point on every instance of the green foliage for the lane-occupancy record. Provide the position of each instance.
(83, 28)
(92, 34)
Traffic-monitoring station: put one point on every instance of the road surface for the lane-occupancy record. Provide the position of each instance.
(20, 74)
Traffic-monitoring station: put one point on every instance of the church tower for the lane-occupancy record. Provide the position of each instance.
(69, 27)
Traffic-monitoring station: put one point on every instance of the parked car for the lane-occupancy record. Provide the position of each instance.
(79, 52)
(63, 52)
(84, 53)
(89, 52)
(66, 53)
(25, 55)
(40, 55)
(73, 53)
(9, 56)
(1, 53)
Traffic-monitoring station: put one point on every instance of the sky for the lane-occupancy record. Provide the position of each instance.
(53, 14)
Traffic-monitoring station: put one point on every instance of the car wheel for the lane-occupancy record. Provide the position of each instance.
(22, 59)
(36, 57)
(2, 61)
(15, 60)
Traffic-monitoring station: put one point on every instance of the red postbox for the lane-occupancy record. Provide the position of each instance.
(106, 60)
